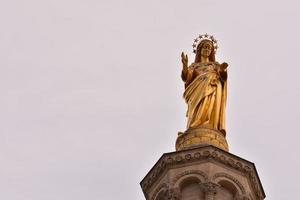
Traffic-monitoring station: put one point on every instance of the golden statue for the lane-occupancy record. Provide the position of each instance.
(205, 93)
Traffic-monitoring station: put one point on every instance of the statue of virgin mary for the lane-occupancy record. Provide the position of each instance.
(205, 83)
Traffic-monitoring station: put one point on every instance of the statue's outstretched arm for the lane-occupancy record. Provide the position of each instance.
(184, 60)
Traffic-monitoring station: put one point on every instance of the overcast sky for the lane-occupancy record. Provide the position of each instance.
(91, 94)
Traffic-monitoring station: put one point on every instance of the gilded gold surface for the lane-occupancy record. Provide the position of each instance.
(205, 93)
(201, 136)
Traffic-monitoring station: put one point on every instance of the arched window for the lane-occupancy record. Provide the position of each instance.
(161, 195)
(227, 191)
(190, 189)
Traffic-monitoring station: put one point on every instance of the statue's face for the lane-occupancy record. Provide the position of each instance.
(206, 49)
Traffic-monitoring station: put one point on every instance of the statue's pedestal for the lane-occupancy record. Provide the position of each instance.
(203, 173)
(201, 136)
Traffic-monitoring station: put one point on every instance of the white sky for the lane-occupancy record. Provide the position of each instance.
(91, 94)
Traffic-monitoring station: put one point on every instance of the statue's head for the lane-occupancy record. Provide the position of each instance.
(205, 46)
(205, 49)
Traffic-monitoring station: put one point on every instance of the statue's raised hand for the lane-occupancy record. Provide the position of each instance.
(184, 60)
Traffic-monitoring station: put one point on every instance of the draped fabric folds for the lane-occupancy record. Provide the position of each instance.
(205, 94)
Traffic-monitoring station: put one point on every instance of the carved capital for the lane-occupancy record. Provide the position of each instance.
(173, 194)
(210, 189)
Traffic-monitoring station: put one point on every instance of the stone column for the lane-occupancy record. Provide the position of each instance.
(173, 194)
(210, 190)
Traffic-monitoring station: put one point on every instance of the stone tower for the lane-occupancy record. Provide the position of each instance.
(201, 168)
(202, 173)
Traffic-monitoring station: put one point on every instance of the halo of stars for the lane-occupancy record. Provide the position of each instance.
(205, 37)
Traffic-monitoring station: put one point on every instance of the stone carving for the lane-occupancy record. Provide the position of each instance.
(167, 192)
(175, 159)
(161, 188)
(173, 194)
(189, 172)
(209, 187)
(220, 175)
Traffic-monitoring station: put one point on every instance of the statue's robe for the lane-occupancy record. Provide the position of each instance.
(205, 94)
